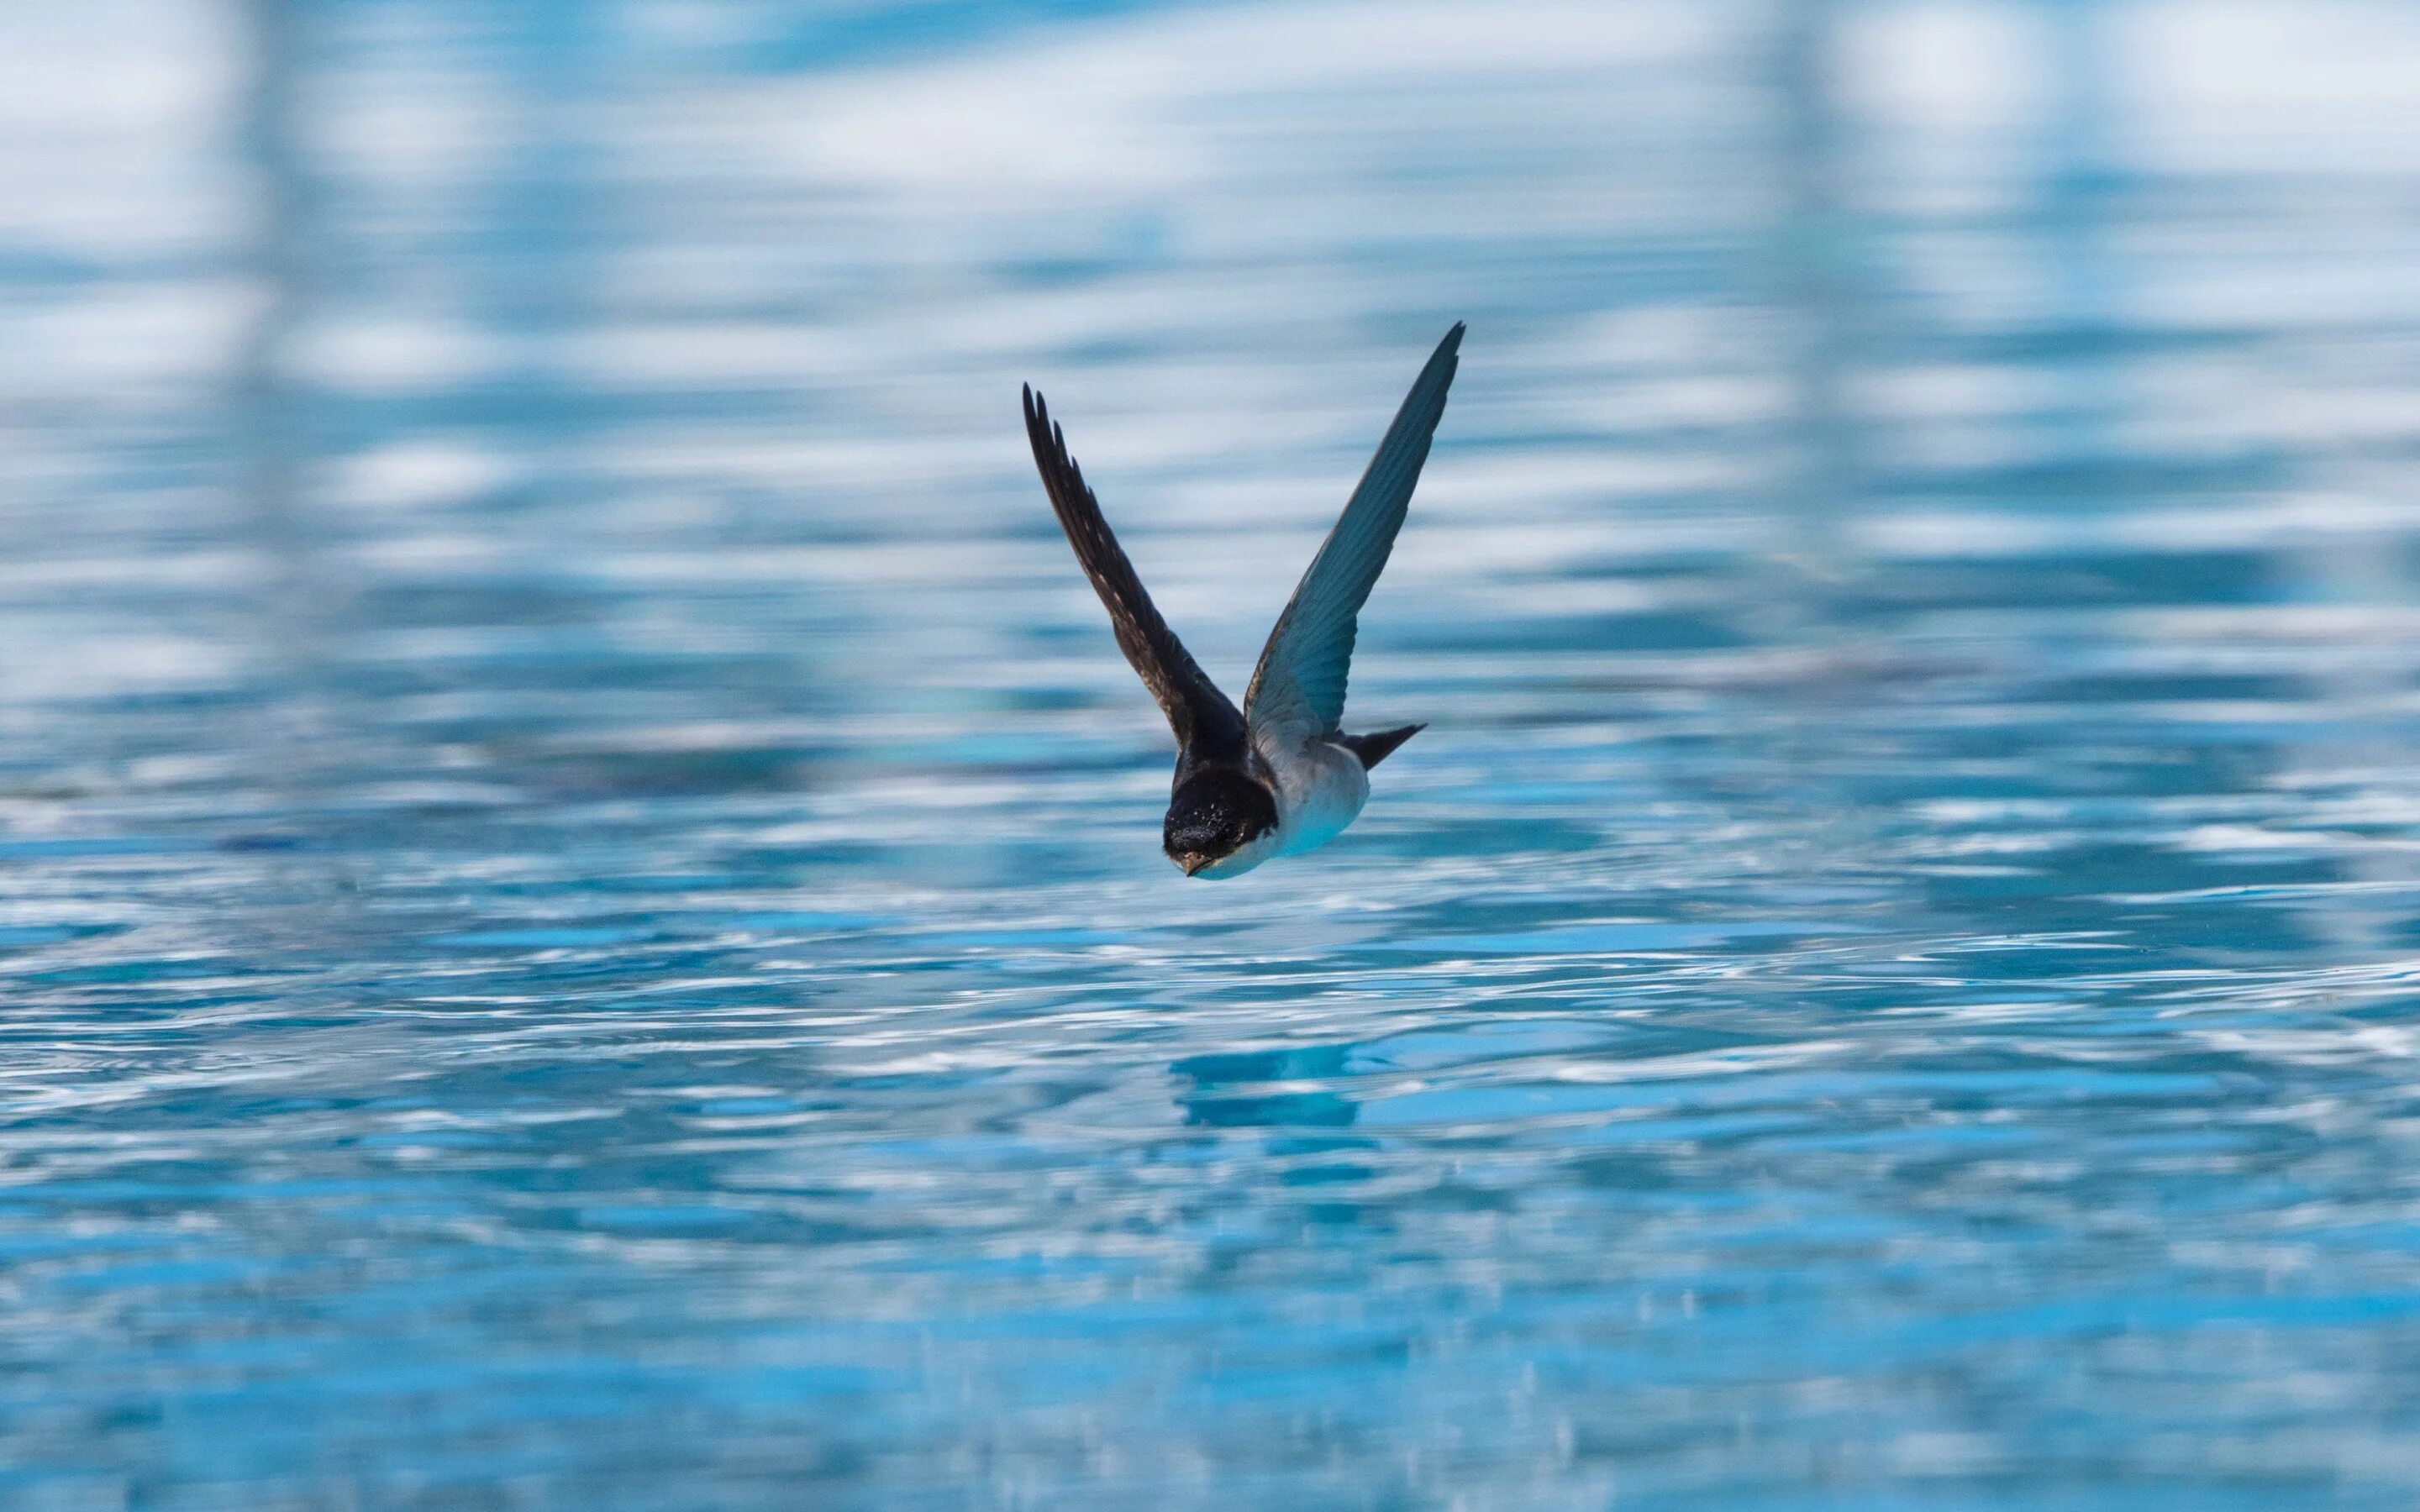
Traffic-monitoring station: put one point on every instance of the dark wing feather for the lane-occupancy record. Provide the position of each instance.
(1297, 691)
(1205, 720)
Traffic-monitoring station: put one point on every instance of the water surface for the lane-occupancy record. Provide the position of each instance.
(578, 892)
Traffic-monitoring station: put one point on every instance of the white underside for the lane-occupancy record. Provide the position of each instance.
(1320, 790)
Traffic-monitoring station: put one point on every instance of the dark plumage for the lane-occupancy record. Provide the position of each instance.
(1215, 814)
(1375, 748)
(1207, 723)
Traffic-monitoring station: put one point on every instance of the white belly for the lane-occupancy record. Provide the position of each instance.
(1320, 788)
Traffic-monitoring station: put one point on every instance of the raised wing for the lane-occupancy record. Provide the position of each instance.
(1204, 719)
(1298, 689)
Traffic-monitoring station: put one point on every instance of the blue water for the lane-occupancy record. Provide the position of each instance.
(578, 885)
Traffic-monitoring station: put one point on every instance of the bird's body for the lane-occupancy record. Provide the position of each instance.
(1280, 775)
(1319, 787)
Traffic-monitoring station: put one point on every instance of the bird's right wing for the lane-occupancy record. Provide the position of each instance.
(1205, 720)
(1297, 691)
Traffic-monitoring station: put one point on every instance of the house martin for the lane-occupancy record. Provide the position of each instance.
(1280, 777)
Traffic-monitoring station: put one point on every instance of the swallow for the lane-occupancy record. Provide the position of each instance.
(1278, 777)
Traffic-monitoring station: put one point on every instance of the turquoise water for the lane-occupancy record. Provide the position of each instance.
(578, 885)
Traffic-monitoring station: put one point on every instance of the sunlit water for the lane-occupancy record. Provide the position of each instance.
(579, 881)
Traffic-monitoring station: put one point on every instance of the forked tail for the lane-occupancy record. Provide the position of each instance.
(1375, 748)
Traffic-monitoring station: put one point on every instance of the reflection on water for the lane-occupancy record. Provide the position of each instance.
(579, 885)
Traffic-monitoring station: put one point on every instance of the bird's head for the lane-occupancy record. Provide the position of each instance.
(1217, 823)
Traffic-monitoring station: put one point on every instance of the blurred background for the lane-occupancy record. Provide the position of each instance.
(581, 921)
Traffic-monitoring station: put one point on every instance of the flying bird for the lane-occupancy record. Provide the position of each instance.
(1280, 776)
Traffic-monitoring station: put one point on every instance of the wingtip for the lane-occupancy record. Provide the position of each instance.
(1450, 349)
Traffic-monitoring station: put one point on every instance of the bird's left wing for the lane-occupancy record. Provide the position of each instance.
(1298, 689)
(1205, 719)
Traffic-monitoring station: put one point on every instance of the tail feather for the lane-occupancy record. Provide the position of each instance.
(1375, 748)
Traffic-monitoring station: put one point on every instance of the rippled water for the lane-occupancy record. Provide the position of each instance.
(578, 885)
